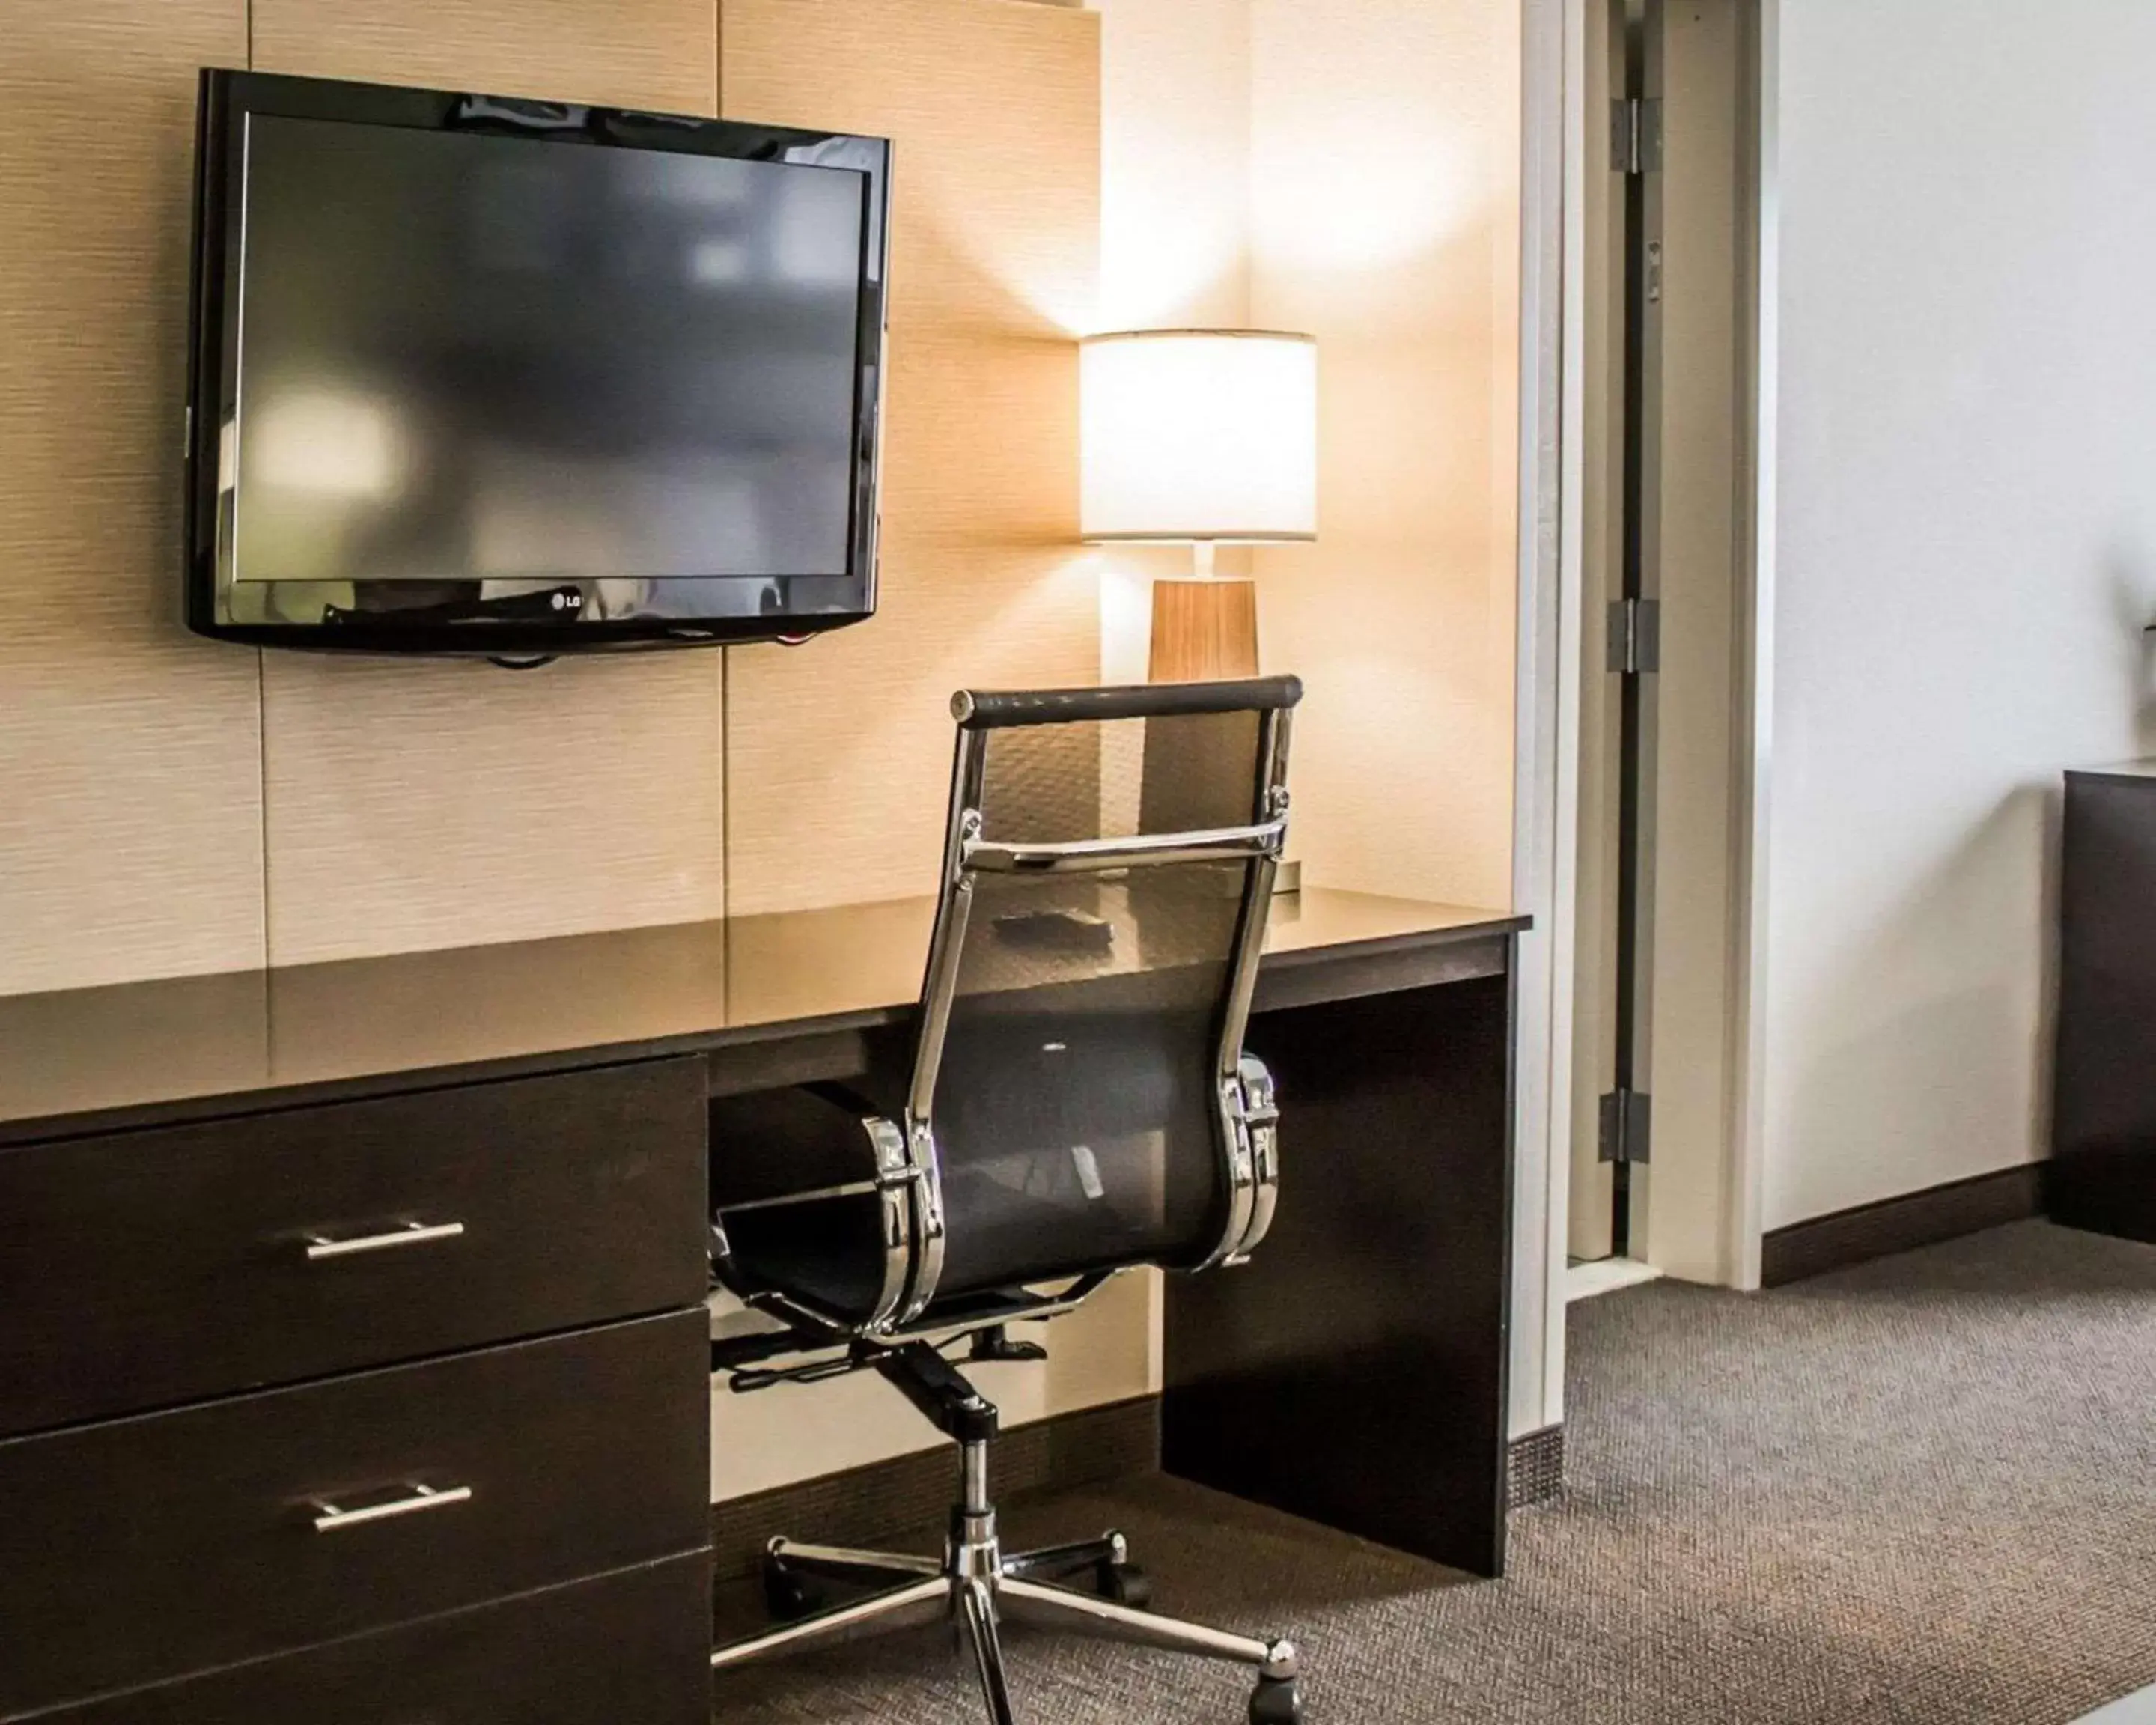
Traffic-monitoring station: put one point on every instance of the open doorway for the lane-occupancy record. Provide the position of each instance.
(1669, 244)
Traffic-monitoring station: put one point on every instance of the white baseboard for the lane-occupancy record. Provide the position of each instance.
(1606, 1275)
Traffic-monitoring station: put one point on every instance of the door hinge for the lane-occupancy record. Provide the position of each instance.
(1627, 1124)
(1635, 636)
(1636, 135)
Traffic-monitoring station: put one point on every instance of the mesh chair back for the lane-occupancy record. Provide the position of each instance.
(1109, 862)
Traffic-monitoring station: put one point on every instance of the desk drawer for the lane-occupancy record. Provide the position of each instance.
(139, 1550)
(632, 1647)
(145, 1269)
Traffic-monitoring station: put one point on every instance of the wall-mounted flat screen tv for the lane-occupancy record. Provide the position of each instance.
(485, 375)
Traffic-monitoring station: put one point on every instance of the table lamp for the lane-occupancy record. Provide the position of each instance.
(1208, 437)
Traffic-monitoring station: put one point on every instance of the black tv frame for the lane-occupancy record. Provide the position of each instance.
(538, 617)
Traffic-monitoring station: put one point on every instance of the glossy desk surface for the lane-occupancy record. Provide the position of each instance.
(113, 1056)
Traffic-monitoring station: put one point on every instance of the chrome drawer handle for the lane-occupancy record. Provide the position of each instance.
(319, 1247)
(332, 1520)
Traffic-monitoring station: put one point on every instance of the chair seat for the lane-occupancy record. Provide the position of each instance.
(828, 1254)
(1032, 1215)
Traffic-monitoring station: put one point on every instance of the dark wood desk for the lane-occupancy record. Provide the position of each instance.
(97, 1059)
(175, 1156)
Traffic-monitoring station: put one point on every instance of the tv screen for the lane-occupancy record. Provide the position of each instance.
(483, 375)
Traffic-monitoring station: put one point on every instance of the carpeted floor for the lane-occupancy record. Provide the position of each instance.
(1923, 1490)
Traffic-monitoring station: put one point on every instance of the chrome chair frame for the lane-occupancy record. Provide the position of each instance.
(974, 1582)
(978, 1585)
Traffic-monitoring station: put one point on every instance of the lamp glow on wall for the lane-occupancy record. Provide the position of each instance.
(1203, 437)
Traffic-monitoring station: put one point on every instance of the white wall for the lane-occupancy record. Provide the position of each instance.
(1965, 554)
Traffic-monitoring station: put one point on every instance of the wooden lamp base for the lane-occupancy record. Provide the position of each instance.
(1203, 629)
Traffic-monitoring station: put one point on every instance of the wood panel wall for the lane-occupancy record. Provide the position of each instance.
(839, 752)
(169, 805)
(419, 804)
(130, 822)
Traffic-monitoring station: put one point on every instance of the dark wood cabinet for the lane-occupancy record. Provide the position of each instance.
(479, 1438)
(140, 1549)
(2102, 1175)
(143, 1269)
(626, 1647)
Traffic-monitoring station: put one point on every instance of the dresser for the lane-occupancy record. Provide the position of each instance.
(2102, 1175)
(389, 1409)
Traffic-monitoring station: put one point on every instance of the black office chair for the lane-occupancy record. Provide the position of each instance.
(1077, 1103)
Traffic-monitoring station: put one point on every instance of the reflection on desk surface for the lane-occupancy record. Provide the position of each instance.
(688, 985)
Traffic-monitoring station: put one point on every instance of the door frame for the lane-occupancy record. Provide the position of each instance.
(1547, 649)
(1560, 146)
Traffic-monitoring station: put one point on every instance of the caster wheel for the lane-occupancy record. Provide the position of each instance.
(786, 1597)
(1275, 1702)
(1123, 1584)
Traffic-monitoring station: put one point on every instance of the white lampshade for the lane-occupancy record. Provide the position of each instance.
(1198, 434)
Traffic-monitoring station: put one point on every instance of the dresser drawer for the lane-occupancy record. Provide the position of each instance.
(148, 1268)
(138, 1550)
(632, 1648)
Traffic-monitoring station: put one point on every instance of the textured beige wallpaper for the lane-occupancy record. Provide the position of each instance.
(654, 53)
(839, 752)
(1385, 176)
(130, 824)
(416, 804)
(409, 805)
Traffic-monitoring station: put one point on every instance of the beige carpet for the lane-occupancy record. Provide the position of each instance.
(1921, 1491)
